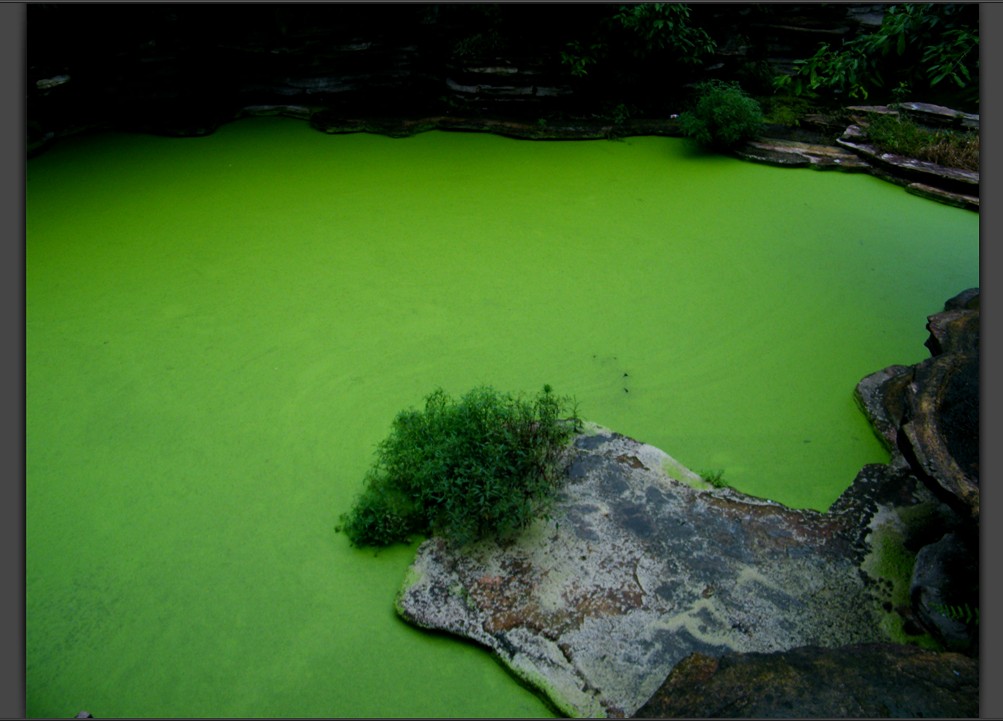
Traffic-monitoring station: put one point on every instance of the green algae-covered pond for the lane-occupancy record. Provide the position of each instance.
(220, 330)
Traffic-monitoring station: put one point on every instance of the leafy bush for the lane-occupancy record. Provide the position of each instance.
(665, 26)
(898, 135)
(918, 45)
(485, 465)
(723, 116)
(644, 31)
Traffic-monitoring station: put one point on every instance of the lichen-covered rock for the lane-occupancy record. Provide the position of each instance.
(636, 569)
(856, 681)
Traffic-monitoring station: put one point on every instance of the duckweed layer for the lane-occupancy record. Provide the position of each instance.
(219, 331)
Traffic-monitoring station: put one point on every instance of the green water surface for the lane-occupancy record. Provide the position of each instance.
(219, 330)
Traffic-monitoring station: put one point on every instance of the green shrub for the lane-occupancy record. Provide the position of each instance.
(723, 116)
(485, 465)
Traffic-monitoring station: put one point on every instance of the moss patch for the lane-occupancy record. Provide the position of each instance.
(890, 564)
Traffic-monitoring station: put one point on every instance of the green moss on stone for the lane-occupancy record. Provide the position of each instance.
(891, 564)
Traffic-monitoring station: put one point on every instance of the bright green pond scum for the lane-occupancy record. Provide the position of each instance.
(220, 330)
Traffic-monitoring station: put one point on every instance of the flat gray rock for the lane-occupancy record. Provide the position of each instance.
(801, 155)
(641, 564)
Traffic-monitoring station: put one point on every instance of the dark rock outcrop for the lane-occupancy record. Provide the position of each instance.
(855, 681)
(942, 430)
(928, 417)
(928, 414)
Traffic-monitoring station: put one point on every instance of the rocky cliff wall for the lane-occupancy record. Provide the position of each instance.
(183, 69)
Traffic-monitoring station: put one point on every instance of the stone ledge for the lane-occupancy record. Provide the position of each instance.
(636, 568)
(574, 129)
(956, 179)
(795, 154)
(958, 200)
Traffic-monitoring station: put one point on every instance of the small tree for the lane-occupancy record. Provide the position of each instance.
(723, 116)
(485, 465)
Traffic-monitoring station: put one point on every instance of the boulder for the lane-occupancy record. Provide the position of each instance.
(941, 434)
(928, 414)
(854, 681)
(887, 504)
(891, 516)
